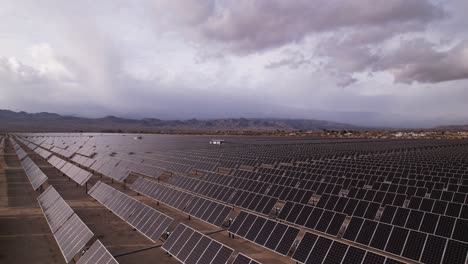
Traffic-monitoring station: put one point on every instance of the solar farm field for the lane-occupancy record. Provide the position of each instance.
(128, 198)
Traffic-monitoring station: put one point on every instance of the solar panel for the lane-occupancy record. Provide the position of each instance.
(366, 232)
(320, 250)
(48, 197)
(72, 236)
(455, 252)
(243, 259)
(354, 255)
(336, 253)
(97, 254)
(372, 258)
(380, 237)
(54, 208)
(433, 250)
(142, 217)
(190, 246)
(305, 246)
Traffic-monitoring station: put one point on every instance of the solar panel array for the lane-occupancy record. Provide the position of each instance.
(142, 217)
(190, 246)
(420, 186)
(264, 232)
(72, 171)
(97, 254)
(70, 232)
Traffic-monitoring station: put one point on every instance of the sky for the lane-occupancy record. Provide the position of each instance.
(393, 63)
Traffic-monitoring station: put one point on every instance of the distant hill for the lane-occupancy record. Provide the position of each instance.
(453, 128)
(49, 122)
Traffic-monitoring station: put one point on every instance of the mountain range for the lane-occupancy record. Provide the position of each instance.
(11, 121)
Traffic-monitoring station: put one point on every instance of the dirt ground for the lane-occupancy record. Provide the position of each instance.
(25, 236)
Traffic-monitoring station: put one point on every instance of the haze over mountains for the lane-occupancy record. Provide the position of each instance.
(11, 121)
(51, 122)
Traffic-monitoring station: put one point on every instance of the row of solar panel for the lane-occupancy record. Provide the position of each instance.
(409, 191)
(142, 217)
(381, 197)
(431, 183)
(282, 192)
(264, 232)
(208, 189)
(40, 151)
(348, 206)
(439, 207)
(318, 249)
(106, 167)
(449, 196)
(191, 247)
(43, 153)
(404, 242)
(19, 151)
(446, 226)
(209, 211)
(83, 161)
(312, 217)
(68, 229)
(447, 176)
(252, 201)
(72, 171)
(170, 196)
(34, 173)
(293, 190)
(97, 254)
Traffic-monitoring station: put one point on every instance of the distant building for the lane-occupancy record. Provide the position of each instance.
(217, 141)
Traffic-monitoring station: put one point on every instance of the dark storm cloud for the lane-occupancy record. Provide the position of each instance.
(418, 60)
(246, 26)
(356, 29)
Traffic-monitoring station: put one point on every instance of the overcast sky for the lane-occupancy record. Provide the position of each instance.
(393, 62)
